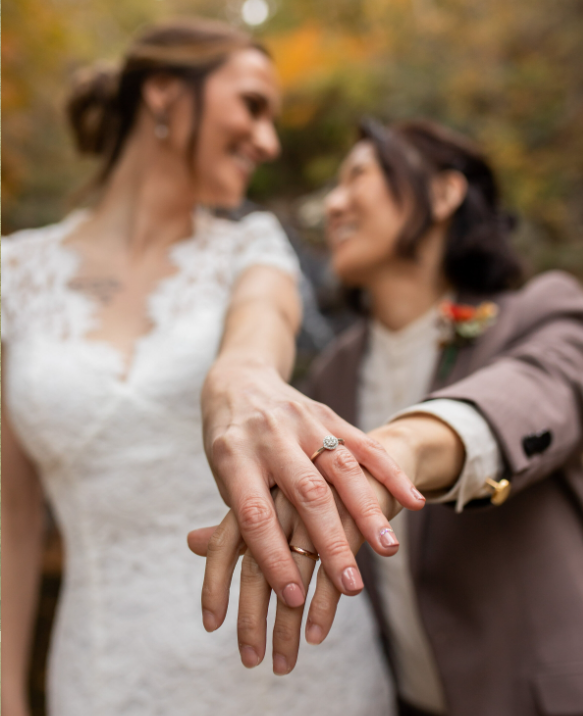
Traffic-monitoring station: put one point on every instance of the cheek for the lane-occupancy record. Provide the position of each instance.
(374, 246)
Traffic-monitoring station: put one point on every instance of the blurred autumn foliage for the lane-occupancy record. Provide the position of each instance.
(510, 74)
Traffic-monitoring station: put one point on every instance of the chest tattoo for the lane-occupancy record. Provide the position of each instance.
(101, 289)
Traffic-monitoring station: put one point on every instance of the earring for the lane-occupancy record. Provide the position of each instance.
(161, 130)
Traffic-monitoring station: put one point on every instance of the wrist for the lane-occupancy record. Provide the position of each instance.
(429, 451)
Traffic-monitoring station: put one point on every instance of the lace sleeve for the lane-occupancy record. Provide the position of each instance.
(265, 243)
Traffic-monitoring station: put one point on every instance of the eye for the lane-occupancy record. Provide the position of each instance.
(356, 171)
(254, 104)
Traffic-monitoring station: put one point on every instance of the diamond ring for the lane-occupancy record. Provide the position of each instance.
(329, 443)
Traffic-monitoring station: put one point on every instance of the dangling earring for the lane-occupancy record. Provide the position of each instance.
(161, 130)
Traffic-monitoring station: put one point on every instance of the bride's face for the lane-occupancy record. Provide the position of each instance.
(241, 101)
(363, 219)
(236, 133)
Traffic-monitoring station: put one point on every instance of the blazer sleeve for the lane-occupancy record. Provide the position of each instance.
(531, 394)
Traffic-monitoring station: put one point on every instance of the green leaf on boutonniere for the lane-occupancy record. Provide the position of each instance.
(448, 359)
(462, 325)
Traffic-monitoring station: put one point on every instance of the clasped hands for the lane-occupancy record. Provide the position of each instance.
(258, 439)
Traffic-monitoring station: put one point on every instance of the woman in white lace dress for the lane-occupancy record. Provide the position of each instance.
(111, 320)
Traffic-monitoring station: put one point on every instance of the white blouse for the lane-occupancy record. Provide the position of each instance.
(395, 375)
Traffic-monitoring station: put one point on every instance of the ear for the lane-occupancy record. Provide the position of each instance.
(160, 91)
(448, 191)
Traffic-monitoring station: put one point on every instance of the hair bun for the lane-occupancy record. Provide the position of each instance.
(92, 107)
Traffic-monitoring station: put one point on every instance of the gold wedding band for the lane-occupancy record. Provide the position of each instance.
(329, 443)
(304, 552)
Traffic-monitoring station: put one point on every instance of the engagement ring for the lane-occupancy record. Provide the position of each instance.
(329, 443)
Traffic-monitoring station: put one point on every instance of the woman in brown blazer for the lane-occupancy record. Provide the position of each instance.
(478, 389)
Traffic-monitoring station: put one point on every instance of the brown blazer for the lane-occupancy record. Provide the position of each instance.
(500, 589)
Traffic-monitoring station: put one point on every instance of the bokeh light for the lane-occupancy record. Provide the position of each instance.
(255, 12)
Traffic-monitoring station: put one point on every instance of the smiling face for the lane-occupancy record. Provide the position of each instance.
(364, 221)
(241, 101)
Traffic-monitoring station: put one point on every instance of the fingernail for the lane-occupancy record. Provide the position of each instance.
(314, 633)
(280, 665)
(387, 538)
(416, 494)
(351, 580)
(209, 621)
(249, 656)
(293, 596)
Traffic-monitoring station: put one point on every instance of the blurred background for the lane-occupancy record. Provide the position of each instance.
(509, 74)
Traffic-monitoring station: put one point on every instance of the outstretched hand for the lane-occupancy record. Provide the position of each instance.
(425, 448)
(260, 433)
(223, 545)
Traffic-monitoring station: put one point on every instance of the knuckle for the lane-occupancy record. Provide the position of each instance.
(210, 593)
(338, 548)
(323, 411)
(224, 445)
(323, 605)
(344, 461)
(216, 544)
(250, 570)
(248, 623)
(261, 421)
(370, 509)
(371, 445)
(296, 407)
(284, 632)
(254, 514)
(312, 489)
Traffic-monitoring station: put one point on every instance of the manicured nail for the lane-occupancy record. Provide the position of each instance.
(416, 494)
(249, 656)
(293, 595)
(351, 580)
(387, 538)
(314, 633)
(208, 620)
(280, 665)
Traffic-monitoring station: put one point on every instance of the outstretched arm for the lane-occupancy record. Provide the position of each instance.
(260, 432)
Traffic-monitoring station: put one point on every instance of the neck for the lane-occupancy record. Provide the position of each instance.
(148, 200)
(403, 290)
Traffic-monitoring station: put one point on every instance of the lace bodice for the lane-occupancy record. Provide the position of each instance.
(119, 452)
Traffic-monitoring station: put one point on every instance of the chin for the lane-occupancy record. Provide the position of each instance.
(351, 274)
(224, 198)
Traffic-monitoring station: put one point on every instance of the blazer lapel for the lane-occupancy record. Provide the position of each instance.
(467, 359)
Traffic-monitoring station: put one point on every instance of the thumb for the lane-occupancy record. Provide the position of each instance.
(198, 540)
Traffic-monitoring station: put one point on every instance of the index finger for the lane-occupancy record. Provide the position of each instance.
(372, 455)
(252, 504)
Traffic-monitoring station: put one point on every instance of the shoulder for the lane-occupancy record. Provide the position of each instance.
(19, 248)
(553, 295)
(262, 221)
(262, 240)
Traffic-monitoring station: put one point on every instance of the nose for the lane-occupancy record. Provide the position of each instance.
(266, 140)
(335, 202)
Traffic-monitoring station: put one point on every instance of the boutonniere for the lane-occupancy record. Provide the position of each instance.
(466, 323)
(462, 324)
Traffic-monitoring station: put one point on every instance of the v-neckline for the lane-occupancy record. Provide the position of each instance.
(126, 365)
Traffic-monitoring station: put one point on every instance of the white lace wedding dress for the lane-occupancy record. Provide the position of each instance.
(120, 454)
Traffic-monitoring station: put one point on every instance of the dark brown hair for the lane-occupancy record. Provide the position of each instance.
(104, 100)
(478, 254)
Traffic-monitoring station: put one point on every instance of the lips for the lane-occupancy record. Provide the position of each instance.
(244, 162)
(340, 233)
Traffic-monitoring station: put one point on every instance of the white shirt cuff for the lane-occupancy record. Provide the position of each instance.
(483, 457)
